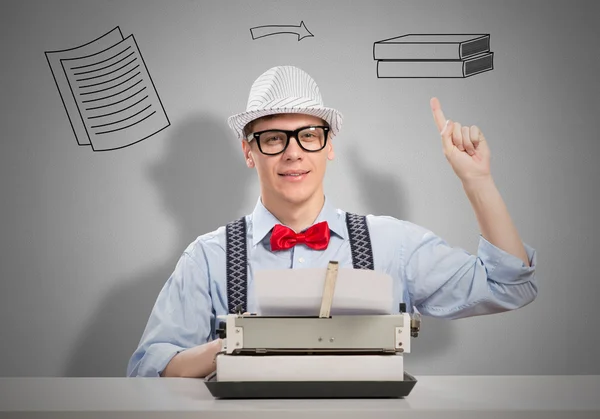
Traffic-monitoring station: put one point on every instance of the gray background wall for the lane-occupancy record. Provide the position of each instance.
(88, 238)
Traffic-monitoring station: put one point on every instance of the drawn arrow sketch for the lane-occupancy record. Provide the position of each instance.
(268, 30)
(433, 56)
(106, 89)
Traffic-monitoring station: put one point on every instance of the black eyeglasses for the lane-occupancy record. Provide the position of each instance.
(272, 142)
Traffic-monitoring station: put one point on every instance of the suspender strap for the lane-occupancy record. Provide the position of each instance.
(360, 241)
(237, 270)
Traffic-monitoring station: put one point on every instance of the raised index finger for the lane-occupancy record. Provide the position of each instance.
(438, 115)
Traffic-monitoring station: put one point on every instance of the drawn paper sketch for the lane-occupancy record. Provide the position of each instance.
(433, 56)
(108, 94)
(261, 31)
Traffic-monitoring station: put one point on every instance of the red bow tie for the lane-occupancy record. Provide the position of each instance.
(316, 237)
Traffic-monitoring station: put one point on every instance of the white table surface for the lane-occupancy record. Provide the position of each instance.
(432, 397)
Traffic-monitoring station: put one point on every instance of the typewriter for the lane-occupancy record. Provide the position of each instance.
(324, 355)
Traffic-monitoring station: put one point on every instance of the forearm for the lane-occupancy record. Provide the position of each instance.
(196, 362)
(495, 223)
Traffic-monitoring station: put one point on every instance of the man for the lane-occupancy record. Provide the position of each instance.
(287, 135)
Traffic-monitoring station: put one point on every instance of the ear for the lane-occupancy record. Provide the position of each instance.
(330, 152)
(247, 153)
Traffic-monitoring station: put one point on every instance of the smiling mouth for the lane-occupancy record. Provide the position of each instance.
(294, 174)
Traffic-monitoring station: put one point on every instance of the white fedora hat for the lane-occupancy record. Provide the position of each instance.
(284, 89)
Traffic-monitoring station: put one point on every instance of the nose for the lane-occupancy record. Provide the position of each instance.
(293, 150)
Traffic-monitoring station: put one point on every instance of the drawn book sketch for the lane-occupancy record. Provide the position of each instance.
(433, 56)
(108, 94)
(435, 69)
(261, 31)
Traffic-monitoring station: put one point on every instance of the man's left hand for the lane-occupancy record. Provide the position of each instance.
(465, 147)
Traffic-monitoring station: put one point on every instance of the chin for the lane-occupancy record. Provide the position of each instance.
(295, 193)
(296, 196)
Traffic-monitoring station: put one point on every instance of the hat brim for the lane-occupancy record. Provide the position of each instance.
(332, 116)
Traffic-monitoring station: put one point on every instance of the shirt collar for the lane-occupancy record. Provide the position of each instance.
(263, 220)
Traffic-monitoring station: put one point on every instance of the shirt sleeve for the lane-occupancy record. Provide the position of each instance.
(180, 319)
(448, 282)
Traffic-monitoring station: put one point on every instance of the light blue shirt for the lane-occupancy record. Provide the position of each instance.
(435, 278)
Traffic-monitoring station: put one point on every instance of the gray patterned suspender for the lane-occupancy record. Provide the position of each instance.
(360, 241)
(237, 265)
(237, 270)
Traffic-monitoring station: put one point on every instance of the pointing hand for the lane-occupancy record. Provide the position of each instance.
(465, 147)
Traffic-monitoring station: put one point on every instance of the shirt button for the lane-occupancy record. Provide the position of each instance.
(301, 260)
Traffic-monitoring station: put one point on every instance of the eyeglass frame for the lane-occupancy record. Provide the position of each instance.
(289, 134)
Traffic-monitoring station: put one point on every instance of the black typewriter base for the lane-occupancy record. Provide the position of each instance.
(309, 389)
